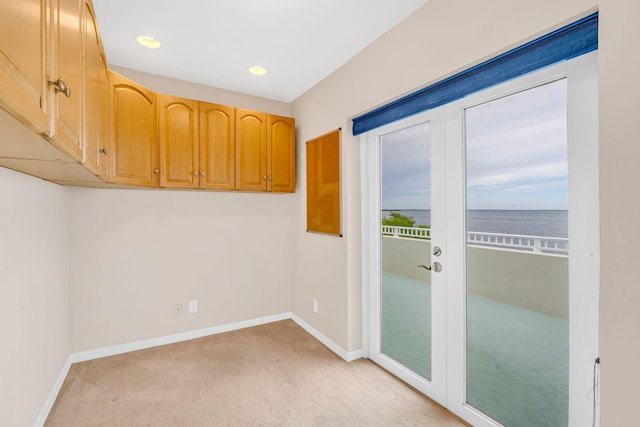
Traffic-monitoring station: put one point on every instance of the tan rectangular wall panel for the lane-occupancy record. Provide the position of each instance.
(323, 184)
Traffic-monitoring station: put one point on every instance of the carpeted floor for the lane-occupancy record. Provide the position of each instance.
(270, 375)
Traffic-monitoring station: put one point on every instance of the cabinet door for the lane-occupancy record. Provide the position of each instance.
(103, 83)
(132, 133)
(178, 142)
(23, 72)
(251, 150)
(91, 80)
(281, 154)
(217, 147)
(67, 65)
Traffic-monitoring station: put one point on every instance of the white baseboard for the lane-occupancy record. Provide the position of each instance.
(51, 399)
(84, 356)
(355, 355)
(347, 356)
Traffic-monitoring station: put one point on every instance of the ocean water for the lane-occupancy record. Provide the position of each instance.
(528, 223)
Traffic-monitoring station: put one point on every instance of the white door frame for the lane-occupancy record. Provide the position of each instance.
(449, 388)
(371, 220)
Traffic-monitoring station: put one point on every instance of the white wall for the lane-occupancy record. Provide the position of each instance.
(619, 211)
(441, 38)
(136, 253)
(34, 290)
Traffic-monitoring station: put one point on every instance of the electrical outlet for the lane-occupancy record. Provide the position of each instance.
(315, 305)
(193, 306)
(177, 309)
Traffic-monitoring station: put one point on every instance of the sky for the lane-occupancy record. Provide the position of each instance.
(406, 168)
(516, 155)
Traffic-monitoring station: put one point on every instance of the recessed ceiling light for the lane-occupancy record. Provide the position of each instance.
(257, 70)
(149, 42)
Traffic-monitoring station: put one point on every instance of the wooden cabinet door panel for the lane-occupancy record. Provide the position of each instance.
(132, 133)
(67, 65)
(217, 147)
(23, 68)
(178, 142)
(103, 83)
(251, 150)
(91, 79)
(281, 154)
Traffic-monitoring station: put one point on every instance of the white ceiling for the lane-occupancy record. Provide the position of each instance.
(214, 42)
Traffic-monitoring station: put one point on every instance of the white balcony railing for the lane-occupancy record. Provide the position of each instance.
(555, 245)
(414, 232)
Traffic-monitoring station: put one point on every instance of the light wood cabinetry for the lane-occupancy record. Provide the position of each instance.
(196, 144)
(23, 66)
(43, 84)
(92, 124)
(67, 67)
(281, 154)
(217, 147)
(178, 142)
(251, 150)
(103, 84)
(265, 152)
(132, 133)
(92, 98)
(30, 72)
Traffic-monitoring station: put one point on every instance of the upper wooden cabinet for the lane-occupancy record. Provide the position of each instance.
(281, 154)
(66, 76)
(265, 152)
(54, 78)
(103, 83)
(23, 66)
(91, 77)
(43, 82)
(178, 145)
(132, 133)
(196, 144)
(251, 150)
(217, 147)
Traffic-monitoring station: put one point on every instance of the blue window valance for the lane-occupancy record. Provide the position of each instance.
(565, 43)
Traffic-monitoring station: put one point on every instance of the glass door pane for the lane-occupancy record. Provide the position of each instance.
(517, 301)
(405, 288)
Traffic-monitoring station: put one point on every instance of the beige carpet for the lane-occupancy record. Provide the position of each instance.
(269, 375)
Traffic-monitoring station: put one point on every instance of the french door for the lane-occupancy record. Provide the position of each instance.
(480, 249)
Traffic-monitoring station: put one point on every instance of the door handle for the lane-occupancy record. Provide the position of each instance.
(437, 267)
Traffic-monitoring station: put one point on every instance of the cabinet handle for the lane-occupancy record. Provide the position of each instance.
(201, 173)
(60, 86)
(264, 177)
(156, 171)
(104, 151)
(195, 174)
(270, 179)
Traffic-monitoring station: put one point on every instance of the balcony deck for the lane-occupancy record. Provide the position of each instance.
(517, 319)
(515, 354)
